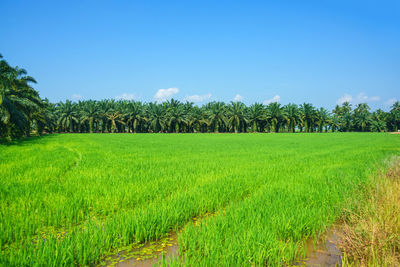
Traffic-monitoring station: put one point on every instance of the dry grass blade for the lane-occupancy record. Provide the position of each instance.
(372, 237)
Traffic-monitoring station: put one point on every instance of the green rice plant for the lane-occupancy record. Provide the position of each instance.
(77, 199)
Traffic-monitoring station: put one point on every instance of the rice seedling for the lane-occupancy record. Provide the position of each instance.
(78, 199)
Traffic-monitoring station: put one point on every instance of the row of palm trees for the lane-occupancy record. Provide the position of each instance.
(174, 116)
(22, 112)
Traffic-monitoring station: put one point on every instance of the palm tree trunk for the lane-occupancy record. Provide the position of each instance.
(113, 126)
(28, 129)
(91, 125)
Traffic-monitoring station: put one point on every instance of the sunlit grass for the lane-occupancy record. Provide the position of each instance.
(371, 234)
(73, 199)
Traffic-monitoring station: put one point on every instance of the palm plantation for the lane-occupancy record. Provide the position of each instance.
(23, 112)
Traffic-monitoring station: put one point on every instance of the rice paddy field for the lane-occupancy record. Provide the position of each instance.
(74, 199)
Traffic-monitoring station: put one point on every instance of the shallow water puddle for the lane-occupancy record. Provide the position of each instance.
(147, 254)
(151, 253)
(325, 253)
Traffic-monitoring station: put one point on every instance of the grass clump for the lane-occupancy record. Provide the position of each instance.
(371, 236)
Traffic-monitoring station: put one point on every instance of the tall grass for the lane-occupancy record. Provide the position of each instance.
(371, 234)
(71, 199)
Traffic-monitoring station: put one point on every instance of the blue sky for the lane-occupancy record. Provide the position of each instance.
(322, 52)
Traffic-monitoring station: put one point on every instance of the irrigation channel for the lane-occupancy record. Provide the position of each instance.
(321, 252)
(151, 253)
(324, 252)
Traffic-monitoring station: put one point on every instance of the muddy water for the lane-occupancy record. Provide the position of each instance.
(148, 254)
(151, 253)
(324, 253)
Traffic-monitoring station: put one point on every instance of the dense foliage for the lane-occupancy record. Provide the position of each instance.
(174, 116)
(20, 104)
(22, 112)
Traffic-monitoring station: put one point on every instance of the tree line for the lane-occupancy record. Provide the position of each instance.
(23, 112)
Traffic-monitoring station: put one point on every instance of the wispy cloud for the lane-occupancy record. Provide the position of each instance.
(276, 98)
(375, 98)
(198, 98)
(76, 97)
(238, 98)
(345, 98)
(390, 102)
(126, 96)
(361, 98)
(163, 95)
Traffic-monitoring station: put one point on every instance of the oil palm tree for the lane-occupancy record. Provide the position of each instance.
(292, 116)
(346, 107)
(362, 117)
(378, 120)
(275, 115)
(134, 114)
(216, 115)
(49, 122)
(115, 118)
(155, 115)
(334, 122)
(307, 112)
(394, 118)
(67, 116)
(196, 119)
(90, 114)
(322, 119)
(19, 102)
(236, 116)
(256, 116)
(175, 117)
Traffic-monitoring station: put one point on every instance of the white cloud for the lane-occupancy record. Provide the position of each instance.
(345, 98)
(361, 98)
(390, 102)
(374, 98)
(238, 98)
(198, 98)
(165, 94)
(125, 96)
(276, 98)
(76, 97)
